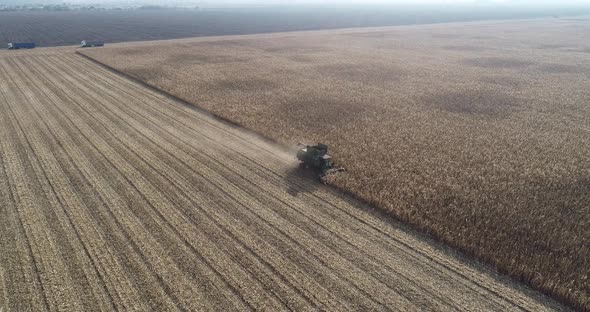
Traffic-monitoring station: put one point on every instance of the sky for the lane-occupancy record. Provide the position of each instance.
(384, 2)
(509, 3)
(290, 2)
(245, 3)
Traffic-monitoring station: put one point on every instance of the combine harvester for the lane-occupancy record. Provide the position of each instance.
(89, 44)
(21, 45)
(316, 158)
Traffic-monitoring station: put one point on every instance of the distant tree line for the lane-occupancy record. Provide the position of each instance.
(70, 7)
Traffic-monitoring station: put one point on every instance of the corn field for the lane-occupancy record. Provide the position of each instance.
(476, 133)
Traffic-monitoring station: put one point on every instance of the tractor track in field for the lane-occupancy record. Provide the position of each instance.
(116, 197)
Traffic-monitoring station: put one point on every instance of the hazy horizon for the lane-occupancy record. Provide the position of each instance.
(290, 3)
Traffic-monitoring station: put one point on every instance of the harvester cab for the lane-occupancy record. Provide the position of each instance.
(316, 157)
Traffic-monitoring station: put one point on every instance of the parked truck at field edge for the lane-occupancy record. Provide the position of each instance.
(21, 45)
(88, 44)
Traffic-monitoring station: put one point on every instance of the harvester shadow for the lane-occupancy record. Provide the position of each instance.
(301, 180)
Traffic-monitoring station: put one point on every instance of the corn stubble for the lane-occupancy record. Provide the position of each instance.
(475, 133)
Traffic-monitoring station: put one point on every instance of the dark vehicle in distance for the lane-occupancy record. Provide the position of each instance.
(89, 44)
(21, 45)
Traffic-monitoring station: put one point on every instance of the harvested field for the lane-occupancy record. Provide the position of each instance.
(483, 144)
(113, 196)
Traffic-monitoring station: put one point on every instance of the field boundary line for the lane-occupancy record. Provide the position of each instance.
(491, 269)
(252, 182)
(429, 257)
(296, 209)
(380, 212)
(188, 104)
(189, 167)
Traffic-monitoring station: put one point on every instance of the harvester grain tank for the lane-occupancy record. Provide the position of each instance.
(315, 157)
(21, 45)
(88, 44)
